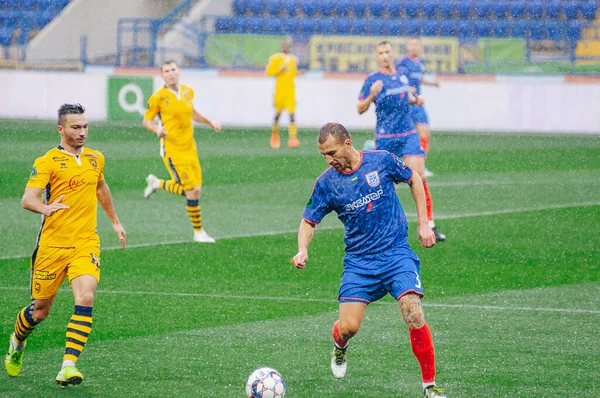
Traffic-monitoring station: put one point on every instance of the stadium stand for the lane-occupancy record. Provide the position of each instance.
(20, 20)
(531, 19)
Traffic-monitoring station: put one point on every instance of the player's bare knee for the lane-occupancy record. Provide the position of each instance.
(85, 299)
(348, 328)
(412, 311)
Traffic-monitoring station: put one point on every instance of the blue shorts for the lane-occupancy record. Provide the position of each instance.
(368, 278)
(402, 146)
(419, 115)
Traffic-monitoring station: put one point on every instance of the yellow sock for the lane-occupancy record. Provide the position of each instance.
(275, 129)
(171, 186)
(195, 214)
(78, 331)
(292, 129)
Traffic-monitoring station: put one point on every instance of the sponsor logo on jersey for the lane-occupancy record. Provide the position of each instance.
(34, 172)
(365, 200)
(44, 276)
(93, 163)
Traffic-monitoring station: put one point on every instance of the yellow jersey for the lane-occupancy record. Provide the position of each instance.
(285, 79)
(176, 111)
(60, 173)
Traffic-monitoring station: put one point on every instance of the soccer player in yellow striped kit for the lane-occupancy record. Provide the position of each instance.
(173, 104)
(70, 178)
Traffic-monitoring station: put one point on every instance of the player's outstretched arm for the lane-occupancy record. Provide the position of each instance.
(197, 117)
(31, 201)
(154, 128)
(105, 200)
(363, 104)
(305, 235)
(434, 83)
(426, 236)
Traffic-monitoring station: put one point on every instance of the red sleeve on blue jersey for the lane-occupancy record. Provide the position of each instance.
(398, 170)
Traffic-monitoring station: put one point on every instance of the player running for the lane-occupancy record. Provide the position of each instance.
(173, 104)
(360, 188)
(416, 69)
(395, 132)
(70, 178)
(284, 66)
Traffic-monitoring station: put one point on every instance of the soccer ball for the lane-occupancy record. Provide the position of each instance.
(265, 383)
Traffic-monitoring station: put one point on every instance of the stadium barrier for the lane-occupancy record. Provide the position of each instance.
(463, 103)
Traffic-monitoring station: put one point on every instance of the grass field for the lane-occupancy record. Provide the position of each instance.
(512, 297)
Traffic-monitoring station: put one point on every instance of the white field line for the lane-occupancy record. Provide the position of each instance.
(409, 215)
(298, 299)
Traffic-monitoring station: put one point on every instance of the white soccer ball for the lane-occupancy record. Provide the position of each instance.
(265, 383)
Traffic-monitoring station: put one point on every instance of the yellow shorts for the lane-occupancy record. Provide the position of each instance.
(186, 171)
(50, 265)
(285, 100)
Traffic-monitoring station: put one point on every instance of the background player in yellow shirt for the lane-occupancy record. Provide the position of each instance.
(284, 66)
(173, 104)
(70, 178)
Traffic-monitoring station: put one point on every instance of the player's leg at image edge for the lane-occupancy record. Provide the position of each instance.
(275, 140)
(421, 343)
(293, 133)
(23, 328)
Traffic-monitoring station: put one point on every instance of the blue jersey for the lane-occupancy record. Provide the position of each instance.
(391, 104)
(416, 70)
(365, 201)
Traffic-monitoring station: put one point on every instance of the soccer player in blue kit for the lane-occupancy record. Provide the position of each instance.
(416, 68)
(360, 187)
(395, 132)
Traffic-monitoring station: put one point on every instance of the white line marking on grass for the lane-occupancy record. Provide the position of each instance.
(339, 226)
(313, 300)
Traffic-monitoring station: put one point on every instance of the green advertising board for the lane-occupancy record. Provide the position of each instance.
(231, 50)
(128, 96)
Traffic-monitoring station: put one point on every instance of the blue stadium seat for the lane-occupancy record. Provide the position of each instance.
(305, 26)
(255, 7)
(430, 9)
(256, 25)
(12, 4)
(589, 10)
(223, 25)
(343, 26)
(326, 7)
(359, 8)
(538, 30)
(517, 9)
(413, 27)
(394, 9)
(238, 25)
(57, 5)
(574, 29)
(274, 7)
(362, 26)
(397, 27)
(483, 28)
(6, 34)
(466, 29)
(274, 26)
(290, 7)
(536, 10)
(323, 26)
(377, 8)
(379, 27)
(413, 9)
(501, 28)
(520, 28)
(482, 8)
(343, 7)
(308, 8)
(500, 9)
(28, 4)
(554, 10)
(448, 28)
(463, 10)
(446, 8)
(430, 27)
(556, 30)
(571, 10)
(288, 25)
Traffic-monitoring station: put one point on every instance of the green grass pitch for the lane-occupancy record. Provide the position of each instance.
(512, 297)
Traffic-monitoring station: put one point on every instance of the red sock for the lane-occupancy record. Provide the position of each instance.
(335, 333)
(428, 201)
(424, 143)
(422, 346)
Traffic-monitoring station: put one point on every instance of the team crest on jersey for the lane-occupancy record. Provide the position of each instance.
(372, 179)
(33, 172)
(93, 163)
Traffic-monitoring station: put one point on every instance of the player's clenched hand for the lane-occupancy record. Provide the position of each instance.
(54, 207)
(377, 87)
(299, 260)
(161, 132)
(426, 236)
(120, 233)
(216, 126)
(420, 100)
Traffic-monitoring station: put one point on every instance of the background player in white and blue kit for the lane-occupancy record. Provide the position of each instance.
(360, 188)
(395, 132)
(416, 68)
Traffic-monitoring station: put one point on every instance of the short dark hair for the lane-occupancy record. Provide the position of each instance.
(335, 130)
(69, 109)
(170, 61)
(383, 43)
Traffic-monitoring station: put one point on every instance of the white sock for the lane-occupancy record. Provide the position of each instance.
(68, 362)
(155, 184)
(15, 345)
(425, 385)
(431, 224)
